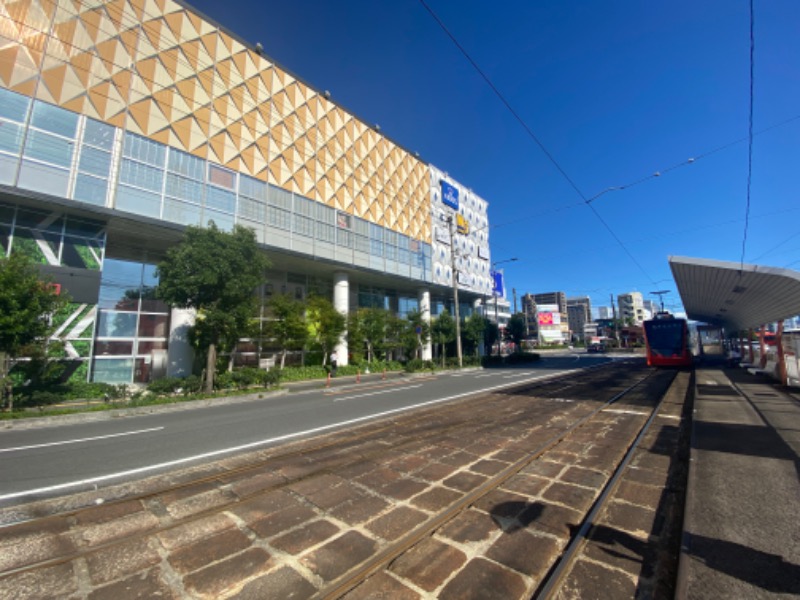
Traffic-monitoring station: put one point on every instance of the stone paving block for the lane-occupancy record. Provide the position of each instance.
(378, 478)
(544, 468)
(280, 521)
(188, 491)
(396, 522)
(481, 579)
(651, 460)
(428, 564)
(207, 550)
(262, 506)
(284, 584)
(114, 530)
(436, 498)
(122, 560)
(464, 481)
(458, 459)
(590, 581)
(356, 470)
(339, 555)
(360, 509)
(488, 467)
(526, 553)
(469, 526)
(637, 520)
(381, 587)
(434, 471)
(407, 463)
(187, 533)
(554, 520)
(218, 577)
(639, 494)
(646, 476)
(297, 468)
(585, 477)
(403, 489)
(579, 498)
(253, 484)
(141, 586)
(315, 485)
(527, 485)
(332, 497)
(29, 548)
(186, 507)
(297, 541)
(621, 550)
(42, 584)
(108, 512)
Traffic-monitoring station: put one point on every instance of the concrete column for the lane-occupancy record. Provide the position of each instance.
(479, 308)
(341, 302)
(180, 354)
(424, 298)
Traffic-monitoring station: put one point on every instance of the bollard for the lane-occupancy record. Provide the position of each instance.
(328, 383)
(358, 376)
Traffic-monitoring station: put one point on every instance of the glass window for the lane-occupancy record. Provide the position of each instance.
(153, 326)
(6, 213)
(113, 348)
(344, 238)
(182, 212)
(325, 232)
(185, 164)
(278, 218)
(5, 234)
(303, 206)
(113, 370)
(13, 106)
(304, 226)
(252, 188)
(141, 175)
(138, 201)
(8, 169)
(252, 210)
(81, 253)
(98, 134)
(91, 190)
(187, 189)
(43, 178)
(376, 247)
(280, 198)
(85, 228)
(54, 119)
(144, 150)
(223, 221)
(49, 148)
(148, 346)
(221, 177)
(362, 243)
(220, 199)
(94, 161)
(391, 251)
(10, 137)
(112, 323)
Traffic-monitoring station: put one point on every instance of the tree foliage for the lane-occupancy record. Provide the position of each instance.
(515, 329)
(443, 331)
(288, 326)
(473, 332)
(326, 324)
(215, 273)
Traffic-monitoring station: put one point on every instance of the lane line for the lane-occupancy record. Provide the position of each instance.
(410, 387)
(251, 445)
(78, 441)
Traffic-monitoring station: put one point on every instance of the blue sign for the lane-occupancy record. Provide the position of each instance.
(498, 288)
(449, 195)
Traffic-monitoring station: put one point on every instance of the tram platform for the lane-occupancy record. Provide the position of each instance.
(741, 534)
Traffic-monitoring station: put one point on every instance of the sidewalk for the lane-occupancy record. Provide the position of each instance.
(742, 531)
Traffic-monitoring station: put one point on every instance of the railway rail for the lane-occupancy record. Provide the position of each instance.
(424, 471)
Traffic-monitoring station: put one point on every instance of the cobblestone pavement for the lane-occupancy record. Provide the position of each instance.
(292, 522)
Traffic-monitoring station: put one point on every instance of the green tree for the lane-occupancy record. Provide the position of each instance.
(26, 303)
(326, 324)
(412, 341)
(215, 273)
(473, 332)
(443, 332)
(288, 326)
(515, 330)
(491, 334)
(374, 322)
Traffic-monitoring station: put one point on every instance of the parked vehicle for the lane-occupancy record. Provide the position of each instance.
(596, 348)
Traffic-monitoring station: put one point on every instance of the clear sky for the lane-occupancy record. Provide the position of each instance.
(614, 90)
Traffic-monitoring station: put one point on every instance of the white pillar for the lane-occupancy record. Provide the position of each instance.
(180, 354)
(480, 309)
(424, 298)
(341, 302)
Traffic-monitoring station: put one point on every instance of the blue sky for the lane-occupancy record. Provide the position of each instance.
(615, 91)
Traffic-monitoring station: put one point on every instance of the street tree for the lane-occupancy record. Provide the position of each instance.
(491, 334)
(515, 330)
(473, 332)
(412, 341)
(326, 324)
(288, 325)
(215, 273)
(26, 304)
(443, 331)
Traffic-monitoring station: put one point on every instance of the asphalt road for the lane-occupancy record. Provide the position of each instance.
(59, 459)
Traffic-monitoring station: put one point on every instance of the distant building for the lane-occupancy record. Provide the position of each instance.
(546, 317)
(605, 312)
(651, 307)
(631, 307)
(579, 312)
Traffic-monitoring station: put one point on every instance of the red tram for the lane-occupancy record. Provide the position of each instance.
(667, 341)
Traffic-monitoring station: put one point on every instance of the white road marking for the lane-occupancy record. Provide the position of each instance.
(516, 375)
(408, 387)
(78, 441)
(482, 376)
(280, 438)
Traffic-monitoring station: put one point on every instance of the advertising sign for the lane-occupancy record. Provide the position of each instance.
(449, 195)
(462, 225)
(545, 318)
(497, 284)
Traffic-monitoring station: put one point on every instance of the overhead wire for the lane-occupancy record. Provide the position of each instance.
(749, 135)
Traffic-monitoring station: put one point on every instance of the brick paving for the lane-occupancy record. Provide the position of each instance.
(296, 525)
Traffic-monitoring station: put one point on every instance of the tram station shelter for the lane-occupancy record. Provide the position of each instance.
(124, 121)
(739, 298)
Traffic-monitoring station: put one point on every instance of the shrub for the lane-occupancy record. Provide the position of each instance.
(269, 378)
(164, 386)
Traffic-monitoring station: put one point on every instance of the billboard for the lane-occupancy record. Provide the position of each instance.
(449, 195)
(498, 288)
(548, 314)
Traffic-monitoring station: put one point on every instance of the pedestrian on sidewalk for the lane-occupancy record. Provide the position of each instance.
(334, 363)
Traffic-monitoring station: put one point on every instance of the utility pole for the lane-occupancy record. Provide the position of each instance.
(514, 291)
(614, 313)
(451, 222)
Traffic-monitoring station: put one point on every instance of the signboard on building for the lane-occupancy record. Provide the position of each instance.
(449, 195)
(498, 288)
(462, 225)
(548, 314)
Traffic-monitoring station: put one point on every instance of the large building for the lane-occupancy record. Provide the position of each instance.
(546, 317)
(579, 313)
(631, 308)
(122, 122)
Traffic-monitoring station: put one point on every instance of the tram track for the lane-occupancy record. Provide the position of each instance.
(371, 443)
